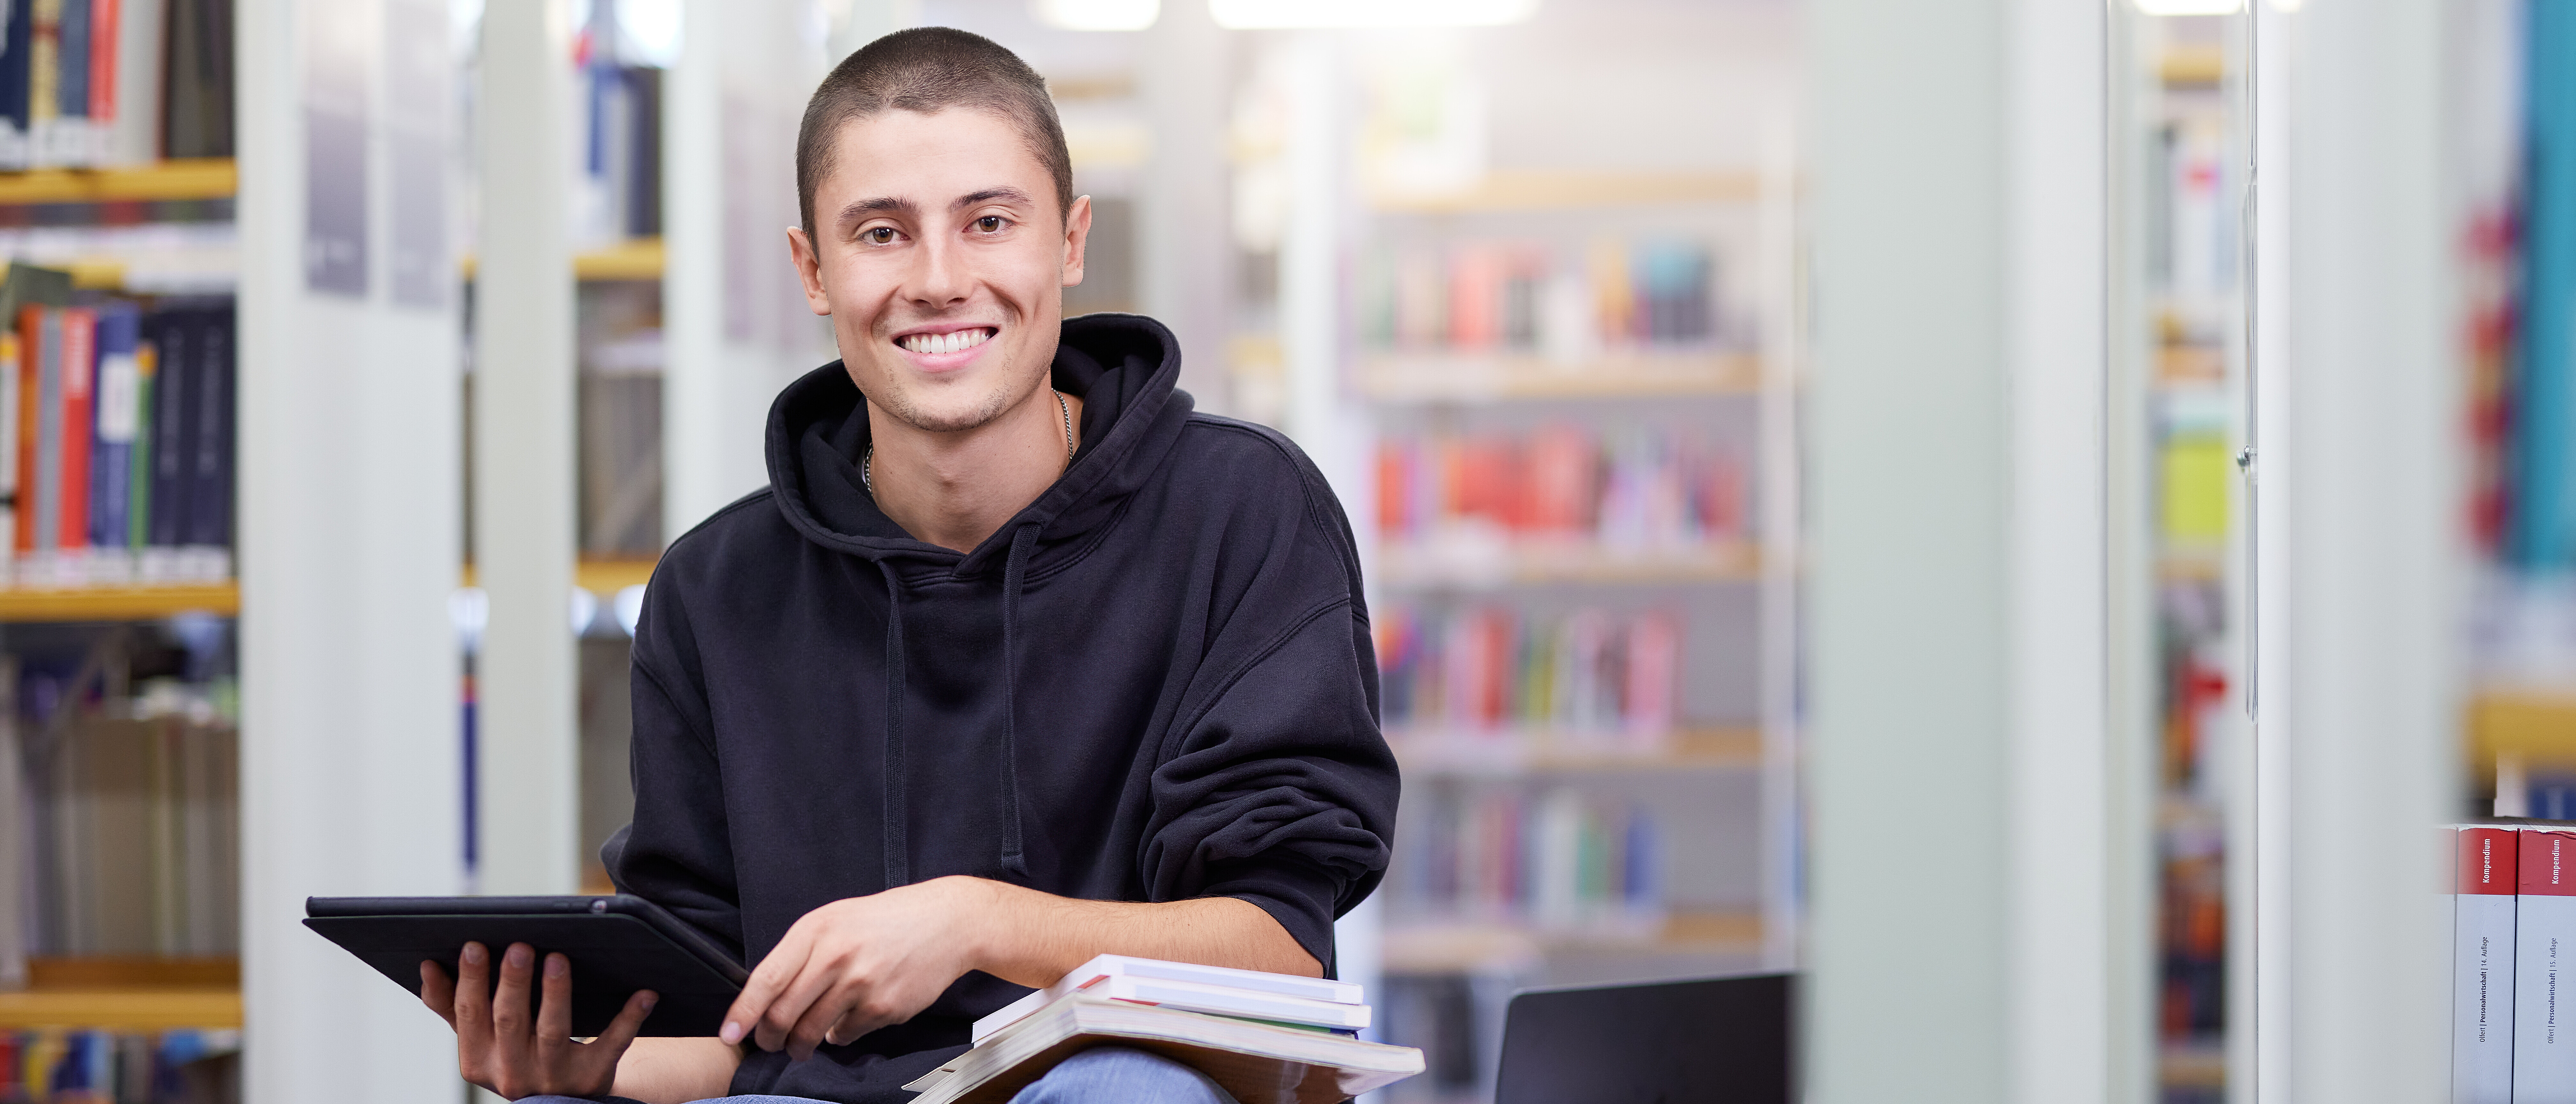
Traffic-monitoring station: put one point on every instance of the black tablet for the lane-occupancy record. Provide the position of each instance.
(618, 944)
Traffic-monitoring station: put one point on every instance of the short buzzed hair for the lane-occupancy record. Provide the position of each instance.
(929, 69)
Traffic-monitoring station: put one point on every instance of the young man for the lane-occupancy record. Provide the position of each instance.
(1017, 661)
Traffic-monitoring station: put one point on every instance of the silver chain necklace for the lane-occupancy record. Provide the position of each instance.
(868, 460)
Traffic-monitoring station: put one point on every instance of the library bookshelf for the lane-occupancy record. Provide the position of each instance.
(136, 603)
(1544, 841)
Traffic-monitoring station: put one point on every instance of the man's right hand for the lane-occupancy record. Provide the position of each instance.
(498, 1047)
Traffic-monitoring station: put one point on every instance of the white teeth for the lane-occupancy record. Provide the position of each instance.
(950, 342)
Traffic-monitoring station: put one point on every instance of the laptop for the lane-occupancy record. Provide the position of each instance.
(1717, 1040)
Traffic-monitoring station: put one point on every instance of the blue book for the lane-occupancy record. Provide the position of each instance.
(209, 492)
(173, 445)
(2541, 530)
(116, 398)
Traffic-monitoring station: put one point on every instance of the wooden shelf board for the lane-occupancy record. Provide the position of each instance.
(1543, 189)
(1472, 947)
(2193, 66)
(635, 259)
(603, 578)
(132, 972)
(1417, 567)
(201, 178)
(1737, 748)
(2537, 724)
(1467, 377)
(135, 1009)
(134, 603)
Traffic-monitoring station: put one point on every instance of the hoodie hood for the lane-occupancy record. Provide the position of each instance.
(1124, 367)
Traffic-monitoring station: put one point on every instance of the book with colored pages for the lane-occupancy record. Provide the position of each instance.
(1253, 1061)
(1252, 984)
(2482, 945)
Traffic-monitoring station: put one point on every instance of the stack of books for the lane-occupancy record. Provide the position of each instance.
(2513, 935)
(1261, 1036)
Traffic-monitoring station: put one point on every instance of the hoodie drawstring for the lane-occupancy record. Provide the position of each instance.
(898, 849)
(1014, 573)
(898, 853)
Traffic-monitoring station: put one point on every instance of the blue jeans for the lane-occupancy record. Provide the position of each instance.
(1101, 1075)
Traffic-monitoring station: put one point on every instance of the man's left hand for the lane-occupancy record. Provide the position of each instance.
(855, 965)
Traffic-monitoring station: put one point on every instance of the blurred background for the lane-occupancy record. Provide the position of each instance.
(1803, 454)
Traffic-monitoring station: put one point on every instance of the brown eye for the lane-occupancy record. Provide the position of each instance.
(990, 224)
(879, 235)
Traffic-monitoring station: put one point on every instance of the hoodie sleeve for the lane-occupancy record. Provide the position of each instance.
(677, 853)
(1282, 791)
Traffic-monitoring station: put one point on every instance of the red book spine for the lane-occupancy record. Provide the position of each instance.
(31, 332)
(80, 367)
(2489, 862)
(104, 29)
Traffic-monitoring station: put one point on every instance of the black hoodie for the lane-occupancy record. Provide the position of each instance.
(1155, 683)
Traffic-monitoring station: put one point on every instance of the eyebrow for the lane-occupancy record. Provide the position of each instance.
(879, 205)
(1011, 195)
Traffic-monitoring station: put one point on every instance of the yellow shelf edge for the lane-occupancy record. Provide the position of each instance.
(129, 603)
(122, 1009)
(197, 178)
(639, 259)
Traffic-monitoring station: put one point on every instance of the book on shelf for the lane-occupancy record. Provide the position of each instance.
(1254, 1051)
(1624, 491)
(121, 451)
(1596, 681)
(2482, 964)
(186, 1066)
(2544, 930)
(1555, 861)
(97, 83)
(1470, 296)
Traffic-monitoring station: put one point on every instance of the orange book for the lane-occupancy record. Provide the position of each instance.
(31, 328)
(80, 369)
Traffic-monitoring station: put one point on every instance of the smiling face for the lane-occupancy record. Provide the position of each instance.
(942, 260)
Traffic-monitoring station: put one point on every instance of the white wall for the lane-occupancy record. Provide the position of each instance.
(2361, 553)
(348, 537)
(1963, 946)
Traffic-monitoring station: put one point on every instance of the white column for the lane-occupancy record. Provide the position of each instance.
(2363, 557)
(735, 324)
(348, 522)
(1964, 812)
(1183, 206)
(528, 778)
(2081, 867)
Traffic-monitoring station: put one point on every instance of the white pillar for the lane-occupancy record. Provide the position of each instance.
(735, 326)
(1964, 810)
(528, 777)
(1185, 251)
(348, 523)
(2362, 556)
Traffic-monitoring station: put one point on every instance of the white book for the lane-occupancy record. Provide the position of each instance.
(1103, 967)
(2482, 945)
(2544, 935)
(1252, 1061)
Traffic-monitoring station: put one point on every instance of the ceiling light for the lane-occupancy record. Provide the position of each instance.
(2190, 7)
(1097, 15)
(1245, 15)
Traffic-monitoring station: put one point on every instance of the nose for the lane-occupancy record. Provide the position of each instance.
(938, 279)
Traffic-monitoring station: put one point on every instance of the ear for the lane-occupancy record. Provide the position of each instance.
(1077, 234)
(809, 268)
